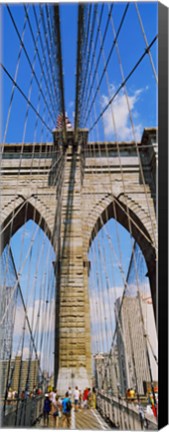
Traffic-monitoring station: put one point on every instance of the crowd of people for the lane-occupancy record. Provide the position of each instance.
(13, 394)
(60, 408)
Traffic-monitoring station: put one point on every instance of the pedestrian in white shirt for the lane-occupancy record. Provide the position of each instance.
(76, 398)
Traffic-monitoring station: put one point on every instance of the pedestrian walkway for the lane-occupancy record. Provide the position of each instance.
(90, 419)
(84, 419)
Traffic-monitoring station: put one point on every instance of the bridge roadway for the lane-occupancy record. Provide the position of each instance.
(84, 419)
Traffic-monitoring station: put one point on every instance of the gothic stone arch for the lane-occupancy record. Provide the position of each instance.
(90, 186)
(139, 226)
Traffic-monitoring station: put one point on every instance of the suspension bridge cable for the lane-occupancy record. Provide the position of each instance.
(25, 97)
(103, 125)
(86, 79)
(80, 60)
(29, 60)
(146, 42)
(22, 343)
(118, 149)
(15, 77)
(41, 62)
(78, 66)
(94, 200)
(20, 165)
(103, 300)
(51, 32)
(133, 130)
(89, 88)
(25, 309)
(59, 59)
(108, 58)
(100, 51)
(124, 82)
(44, 63)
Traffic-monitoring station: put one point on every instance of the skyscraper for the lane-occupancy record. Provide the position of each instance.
(136, 359)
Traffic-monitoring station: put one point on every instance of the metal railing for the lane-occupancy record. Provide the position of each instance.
(23, 412)
(123, 414)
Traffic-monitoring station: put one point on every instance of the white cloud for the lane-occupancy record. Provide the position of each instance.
(46, 319)
(120, 110)
(25, 353)
(102, 305)
(97, 307)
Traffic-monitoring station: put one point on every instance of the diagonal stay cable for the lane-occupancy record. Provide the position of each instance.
(145, 38)
(23, 303)
(38, 54)
(90, 86)
(25, 97)
(80, 75)
(133, 130)
(50, 30)
(108, 58)
(123, 83)
(15, 78)
(45, 64)
(101, 45)
(21, 269)
(59, 60)
(28, 58)
(89, 51)
(51, 60)
(79, 65)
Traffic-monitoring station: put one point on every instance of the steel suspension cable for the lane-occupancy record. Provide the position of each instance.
(129, 221)
(99, 55)
(78, 67)
(146, 42)
(89, 88)
(59, 60)
(29, 61)
(133, 130)
(123, 83)
(106, 63)
(54, 62)
(15, 77)
(80, 60)
(86, 80)
(42, 63)
(25, 97)
(22, 339)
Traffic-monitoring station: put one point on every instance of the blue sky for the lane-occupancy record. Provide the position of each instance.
(142, 96)
(141, 86)
(142, 89)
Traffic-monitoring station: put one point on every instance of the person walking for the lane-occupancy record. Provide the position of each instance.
(46, 409)
(94, 398)
(80, 399)
(89, 398)
(56, 413)
(52, 398)
(66, 411)
(76, 398)
(70, 393)
(85, 398)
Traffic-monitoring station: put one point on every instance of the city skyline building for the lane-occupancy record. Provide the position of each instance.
(136, 342)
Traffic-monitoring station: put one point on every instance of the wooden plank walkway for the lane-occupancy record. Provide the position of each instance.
(90, 419)
(84, 419)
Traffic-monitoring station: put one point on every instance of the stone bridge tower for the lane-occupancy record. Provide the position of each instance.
(91, 190)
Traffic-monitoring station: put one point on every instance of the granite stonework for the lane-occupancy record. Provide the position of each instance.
(71, 201)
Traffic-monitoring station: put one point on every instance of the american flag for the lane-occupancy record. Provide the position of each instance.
(60, 122)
